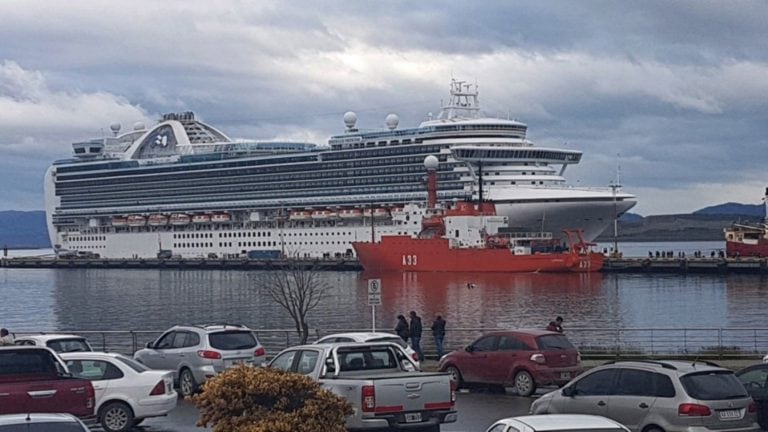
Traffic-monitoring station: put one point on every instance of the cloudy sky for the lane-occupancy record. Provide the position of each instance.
(675, 93)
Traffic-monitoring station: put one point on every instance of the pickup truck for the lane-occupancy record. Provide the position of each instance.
(374, 378)
(34, 380)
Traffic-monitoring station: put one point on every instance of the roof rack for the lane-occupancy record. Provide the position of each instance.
(661, 363)
(222, 324)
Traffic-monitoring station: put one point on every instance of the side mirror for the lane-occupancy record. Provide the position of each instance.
(568, 391)
(469, 348)
(150, 345)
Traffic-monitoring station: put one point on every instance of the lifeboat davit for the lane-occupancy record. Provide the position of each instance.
(221, 218)
(350, 213)
(179, 219)
(300, 216)
(119, 221)
(378, 213)
(136, 220)
(157, 220)
(201, 218)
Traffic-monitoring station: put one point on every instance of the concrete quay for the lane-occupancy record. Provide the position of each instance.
(686, 265)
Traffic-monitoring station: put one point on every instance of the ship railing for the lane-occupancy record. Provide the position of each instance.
(592, 342)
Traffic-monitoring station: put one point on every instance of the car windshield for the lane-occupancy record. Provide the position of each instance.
(715, 385)
(554, 342)
(138, 367)
(43, 427)
(394, 339)
(68, 345)
(232, 340)
(37, 361)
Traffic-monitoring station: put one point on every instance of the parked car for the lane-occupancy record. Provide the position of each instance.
(127, 392)
(198, 352)
(373, 378)
(525, 359)
(364, 337)
(657, 396)
(755, 380)
(41, 423)
(60, 343)
(35, 380)
(557, 423)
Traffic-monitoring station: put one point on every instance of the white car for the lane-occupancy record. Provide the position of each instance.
(127, 392)
(60, 343)
(557, 423)
(35, 422)
(364, 337)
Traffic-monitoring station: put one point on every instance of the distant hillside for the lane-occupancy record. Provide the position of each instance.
(750, 210)
(23, 229)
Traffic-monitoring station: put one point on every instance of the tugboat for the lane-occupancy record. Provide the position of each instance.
(743, 240)
(471, 237)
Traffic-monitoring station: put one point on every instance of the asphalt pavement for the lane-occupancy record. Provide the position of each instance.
(477, 409)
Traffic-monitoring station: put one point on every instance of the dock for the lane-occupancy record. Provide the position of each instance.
(686, 265)
(181, 263)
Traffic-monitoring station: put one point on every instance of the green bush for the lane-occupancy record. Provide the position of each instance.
(248, 399)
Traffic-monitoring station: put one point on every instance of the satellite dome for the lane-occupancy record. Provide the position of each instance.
(139, 126)
(115, 128)
(431, 162)
(392, 121)
(350, 119)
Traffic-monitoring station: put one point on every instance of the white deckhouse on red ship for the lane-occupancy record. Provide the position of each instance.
(183, 186)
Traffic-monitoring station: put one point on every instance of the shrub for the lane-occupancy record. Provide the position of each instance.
(248, 399)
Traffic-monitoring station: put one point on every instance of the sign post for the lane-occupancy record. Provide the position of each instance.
(374, 299)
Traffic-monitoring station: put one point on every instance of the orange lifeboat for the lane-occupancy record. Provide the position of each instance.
(300, 216)
(119, 221)
(378, 213)
(321, 214)
(397, 211)
(157, 220)
(136, 220)
(350, 213)
(221, 218)
(201, 218)
(179, 219)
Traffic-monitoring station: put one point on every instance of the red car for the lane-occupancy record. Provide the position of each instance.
(524, 359)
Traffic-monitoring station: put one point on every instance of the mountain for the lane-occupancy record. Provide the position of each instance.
(731, 208)
(23, 229)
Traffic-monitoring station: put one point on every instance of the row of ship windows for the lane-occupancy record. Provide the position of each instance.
(137, 176)
(223, 235)
(87, 238)
(72, 244)
(70, 203)
(379, 152)
(517, 154)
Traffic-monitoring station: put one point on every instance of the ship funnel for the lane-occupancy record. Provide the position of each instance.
(431, 163)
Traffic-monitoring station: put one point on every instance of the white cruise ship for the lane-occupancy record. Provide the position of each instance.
(183, 188)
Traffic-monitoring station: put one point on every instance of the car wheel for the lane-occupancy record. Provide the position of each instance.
(116, 417)
(187, 384)
(455, 374)
(524, 383)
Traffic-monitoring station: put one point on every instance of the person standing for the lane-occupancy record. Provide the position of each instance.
(5, 338)
(415, 330)
(401, 329)
(438, 331)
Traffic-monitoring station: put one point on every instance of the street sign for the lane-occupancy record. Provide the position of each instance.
(374, 292)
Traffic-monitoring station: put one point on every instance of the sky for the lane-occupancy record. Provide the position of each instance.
(673, 94)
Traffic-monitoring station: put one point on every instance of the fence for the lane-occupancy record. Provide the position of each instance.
(591, 342)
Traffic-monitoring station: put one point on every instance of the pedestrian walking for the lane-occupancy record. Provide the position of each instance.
(401, 329)
(438, 331)
(415, 330)
(5, 337)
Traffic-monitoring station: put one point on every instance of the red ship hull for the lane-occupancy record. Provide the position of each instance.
(737, 249)
(403, 253)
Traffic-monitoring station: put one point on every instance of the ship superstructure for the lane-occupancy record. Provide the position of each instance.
(184, 186)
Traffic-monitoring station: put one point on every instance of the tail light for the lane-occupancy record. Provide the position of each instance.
(454, 386)
(207, 354)
(368, 398)
(538, 358)
(260, 351)
(159, 389)
(90, 396)
(752, 408)
(693, 410)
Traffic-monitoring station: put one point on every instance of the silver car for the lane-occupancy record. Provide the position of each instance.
(199, 352)
(657, 396)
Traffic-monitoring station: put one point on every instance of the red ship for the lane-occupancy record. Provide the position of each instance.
(472, 238)
(748, 240)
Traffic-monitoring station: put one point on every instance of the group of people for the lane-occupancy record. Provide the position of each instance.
(5, 337)
(412, 331)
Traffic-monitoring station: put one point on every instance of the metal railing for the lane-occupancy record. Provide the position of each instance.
(713, 342)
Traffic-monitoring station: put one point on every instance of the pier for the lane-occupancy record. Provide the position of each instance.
(612, 264)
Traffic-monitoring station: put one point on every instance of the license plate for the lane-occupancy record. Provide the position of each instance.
(238, 362)
(565, 375)
(729, 414)
(412, 417)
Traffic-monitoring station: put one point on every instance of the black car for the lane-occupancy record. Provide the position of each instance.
(755, 380)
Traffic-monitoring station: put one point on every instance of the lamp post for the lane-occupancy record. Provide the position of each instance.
(615, 185)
